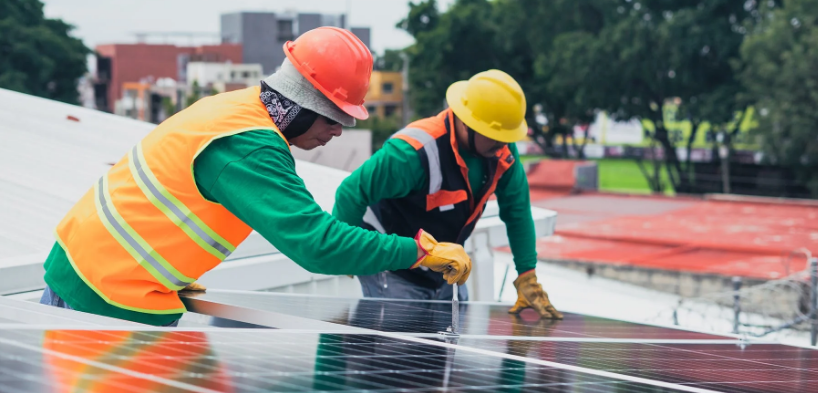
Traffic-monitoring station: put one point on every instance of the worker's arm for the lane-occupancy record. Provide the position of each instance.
(515, 211)
(394, 171)
(253, 175)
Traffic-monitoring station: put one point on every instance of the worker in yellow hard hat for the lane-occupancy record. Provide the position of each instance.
(437, 174)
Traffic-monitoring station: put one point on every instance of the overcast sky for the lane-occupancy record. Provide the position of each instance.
(101, 22)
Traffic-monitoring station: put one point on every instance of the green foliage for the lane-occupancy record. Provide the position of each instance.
(195, 94)
(575, 57)
(168, 106)
(37, 55)
(449, 47)
(382, 128)
(780, 61)
(390, 60)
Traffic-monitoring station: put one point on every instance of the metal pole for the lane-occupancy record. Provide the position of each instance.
(503, 284)
(455, 311)
(813, 304)
(736, 303)
(724, 154)
(405, 115)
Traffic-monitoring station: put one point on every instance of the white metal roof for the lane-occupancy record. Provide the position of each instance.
(47, 162)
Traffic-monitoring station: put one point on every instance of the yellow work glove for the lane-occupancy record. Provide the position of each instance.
(447, 258)
(194, 287)
(531, 295)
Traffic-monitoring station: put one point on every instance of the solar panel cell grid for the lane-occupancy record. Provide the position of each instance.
(267, 361)
(730, 367)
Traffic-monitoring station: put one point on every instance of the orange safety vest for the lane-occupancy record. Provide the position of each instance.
(446, 207)
(144, 231)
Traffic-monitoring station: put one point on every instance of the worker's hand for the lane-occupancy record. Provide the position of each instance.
(447, 258)
(194, 287)
(531, 295)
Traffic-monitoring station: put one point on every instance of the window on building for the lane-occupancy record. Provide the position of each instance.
(232, 75)
(370, 109)
(387, 88)
(389, 110)
(245, 74)
(285, 30)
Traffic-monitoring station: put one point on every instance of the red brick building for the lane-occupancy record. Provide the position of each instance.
(120, 63)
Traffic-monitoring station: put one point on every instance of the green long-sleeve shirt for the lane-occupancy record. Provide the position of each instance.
(395, 171)
(252, 174)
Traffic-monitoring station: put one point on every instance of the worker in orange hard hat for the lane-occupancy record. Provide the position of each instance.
(437, 174)
(181, 200)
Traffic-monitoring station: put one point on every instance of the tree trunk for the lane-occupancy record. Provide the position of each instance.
(678, 178)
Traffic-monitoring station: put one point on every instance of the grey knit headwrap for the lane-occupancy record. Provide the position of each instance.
(289, 82)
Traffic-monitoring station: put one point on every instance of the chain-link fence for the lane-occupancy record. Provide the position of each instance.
(783, 308)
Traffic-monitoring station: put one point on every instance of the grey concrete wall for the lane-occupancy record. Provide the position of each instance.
(260, 40)
(307, 22)
(693, 285)
(231, 28)
(258, 34)
(363, 33)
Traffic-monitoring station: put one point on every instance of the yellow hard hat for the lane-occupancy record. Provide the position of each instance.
(492, 104)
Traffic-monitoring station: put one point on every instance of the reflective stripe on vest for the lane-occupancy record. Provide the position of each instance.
(134, 244)
(175, 210)
(433, 157)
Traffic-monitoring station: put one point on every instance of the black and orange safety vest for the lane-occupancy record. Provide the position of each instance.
(446, 206)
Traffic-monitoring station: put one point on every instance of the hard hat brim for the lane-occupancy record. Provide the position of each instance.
(454, 97)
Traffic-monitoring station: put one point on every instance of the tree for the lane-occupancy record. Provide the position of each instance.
(448, 47)
(381, 128)
(37, 55)
(573, 58)
(780, 58)
(391, 60)
(194, 95)
(654, 51)
(547, 46)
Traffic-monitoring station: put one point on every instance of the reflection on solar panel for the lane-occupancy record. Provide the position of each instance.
(309, 343)
(433, 317)
(735, 367)
(268, 361)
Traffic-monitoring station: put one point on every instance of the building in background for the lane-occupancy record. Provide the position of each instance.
(262, 34)
(385, 95)
(223, 77)
(150, 82)
(147, 63)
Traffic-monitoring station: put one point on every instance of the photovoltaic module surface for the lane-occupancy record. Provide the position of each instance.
(294, 343)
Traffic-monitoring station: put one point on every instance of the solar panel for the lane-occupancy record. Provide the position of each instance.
(267, 360)
(430, 317)
(736, 367)
(312, 343)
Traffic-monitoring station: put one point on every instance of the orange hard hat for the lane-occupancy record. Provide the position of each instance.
(337, 63)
